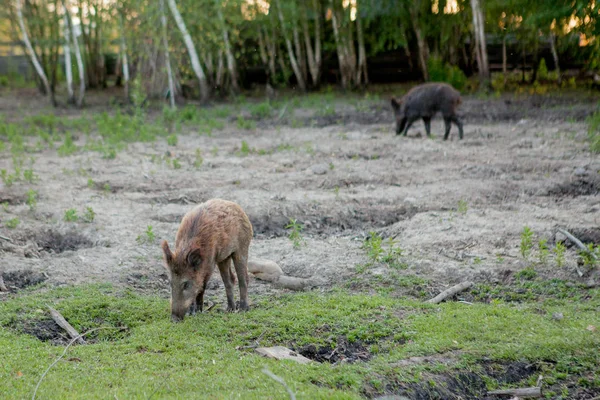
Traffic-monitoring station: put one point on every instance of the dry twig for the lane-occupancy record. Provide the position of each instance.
(62, 322)
(280, 380)
(577, 242)
(530, 392)
(450, 292)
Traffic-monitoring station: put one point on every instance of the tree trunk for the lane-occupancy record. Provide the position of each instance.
(341, 52)
(204, 93)
(32, 55)
(67, 53)
(407, 49)
(313, 56)
(361, 74)
(504, 69)
(536, 61)
(220, 68)
(125, 61)
(78, 57)
(231, 66)
(555, 57)
(165, 40)
(299, 53)
(480, 43)
(288, 44)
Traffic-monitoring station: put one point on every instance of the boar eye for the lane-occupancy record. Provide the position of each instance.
(186, 285)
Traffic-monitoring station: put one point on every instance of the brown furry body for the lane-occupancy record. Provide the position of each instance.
(215, 232)
(424, 101)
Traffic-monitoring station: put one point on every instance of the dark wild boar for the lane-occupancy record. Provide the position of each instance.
(424, 101)
(214, 232)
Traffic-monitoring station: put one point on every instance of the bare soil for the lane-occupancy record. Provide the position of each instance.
(524, 161)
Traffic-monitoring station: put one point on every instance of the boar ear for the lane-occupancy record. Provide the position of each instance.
(395, 104)
(167, 252)
(194, 259)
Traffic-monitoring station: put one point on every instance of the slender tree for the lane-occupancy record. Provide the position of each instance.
(67, 53)
(165, 40)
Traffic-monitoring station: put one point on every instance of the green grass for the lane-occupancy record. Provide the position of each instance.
(140, 353)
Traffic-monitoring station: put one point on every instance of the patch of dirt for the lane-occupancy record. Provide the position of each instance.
(582, 186)
(513, 372)
(46, 330)
(53, 241)
(342, 351)
(23, 279)
(461, 386)
(323, 220)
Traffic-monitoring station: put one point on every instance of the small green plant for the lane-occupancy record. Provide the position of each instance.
(336, 191)
(70, 215)
(176, 164)
(526, 274)
(591, 256)
(331, 166)
(198, 160)
(12, 223)
(246, 124)
(543, 251)
(32, 197)
(526, 242)
(68, 147)
(295, 234)
(89, 215)
(106, 188)
(374, 245)
(594, 132)
(7, 178)
(29, 175)
(214, 151)
(172, 140)
(261, 110)
(245, 149)
(559, 252)
(90, 183)
(147, 237)
(462, 207)
(5, 206)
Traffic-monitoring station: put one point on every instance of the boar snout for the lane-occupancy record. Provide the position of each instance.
(400, 125)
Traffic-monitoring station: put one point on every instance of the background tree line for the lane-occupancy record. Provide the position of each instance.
(168, 47)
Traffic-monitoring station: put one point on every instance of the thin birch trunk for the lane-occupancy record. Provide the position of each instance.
(407, 49)
(555, 57)
(123, 50)
(32, 55)
(504, 69)
(339, 47)
(79, 59)
(313, 57)
(318, 54)
(67, 53)
(362, 76)
(163, 20)
(204, 93)
(231, 66)
(207, 57)
(288, 44)
(299, 53)
(220, 69)
(480, 43)
(272, 53)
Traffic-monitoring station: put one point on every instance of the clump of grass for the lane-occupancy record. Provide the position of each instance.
(246, 124)
(526, 242)
(295, 234)
(378, 253)
(176, 163)
(559, 251)
(543, 251)
(594, 132)
(71, 215)
(245, 149)
(261, 110)
(198, 160)
(32, 197)
(462, 207)
(172, 140)
(147, 237)
(68, 147)
(12, 223)
(590, 256)
(89, 215)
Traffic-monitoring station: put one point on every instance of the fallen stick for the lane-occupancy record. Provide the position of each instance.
(577, 242)
(6, 238)
(530, 392)
(450, 292)
(267, 270)
(62, 322)
(280, 380)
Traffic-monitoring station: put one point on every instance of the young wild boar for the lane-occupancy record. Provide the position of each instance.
(214, 232)
(424, 101)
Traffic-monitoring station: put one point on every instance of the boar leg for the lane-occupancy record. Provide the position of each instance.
(240, 260)
(427, 121)
(400, 124)
(198, 305)
(460, 126)
(408, 124)
(225, 270)
(447, 125)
